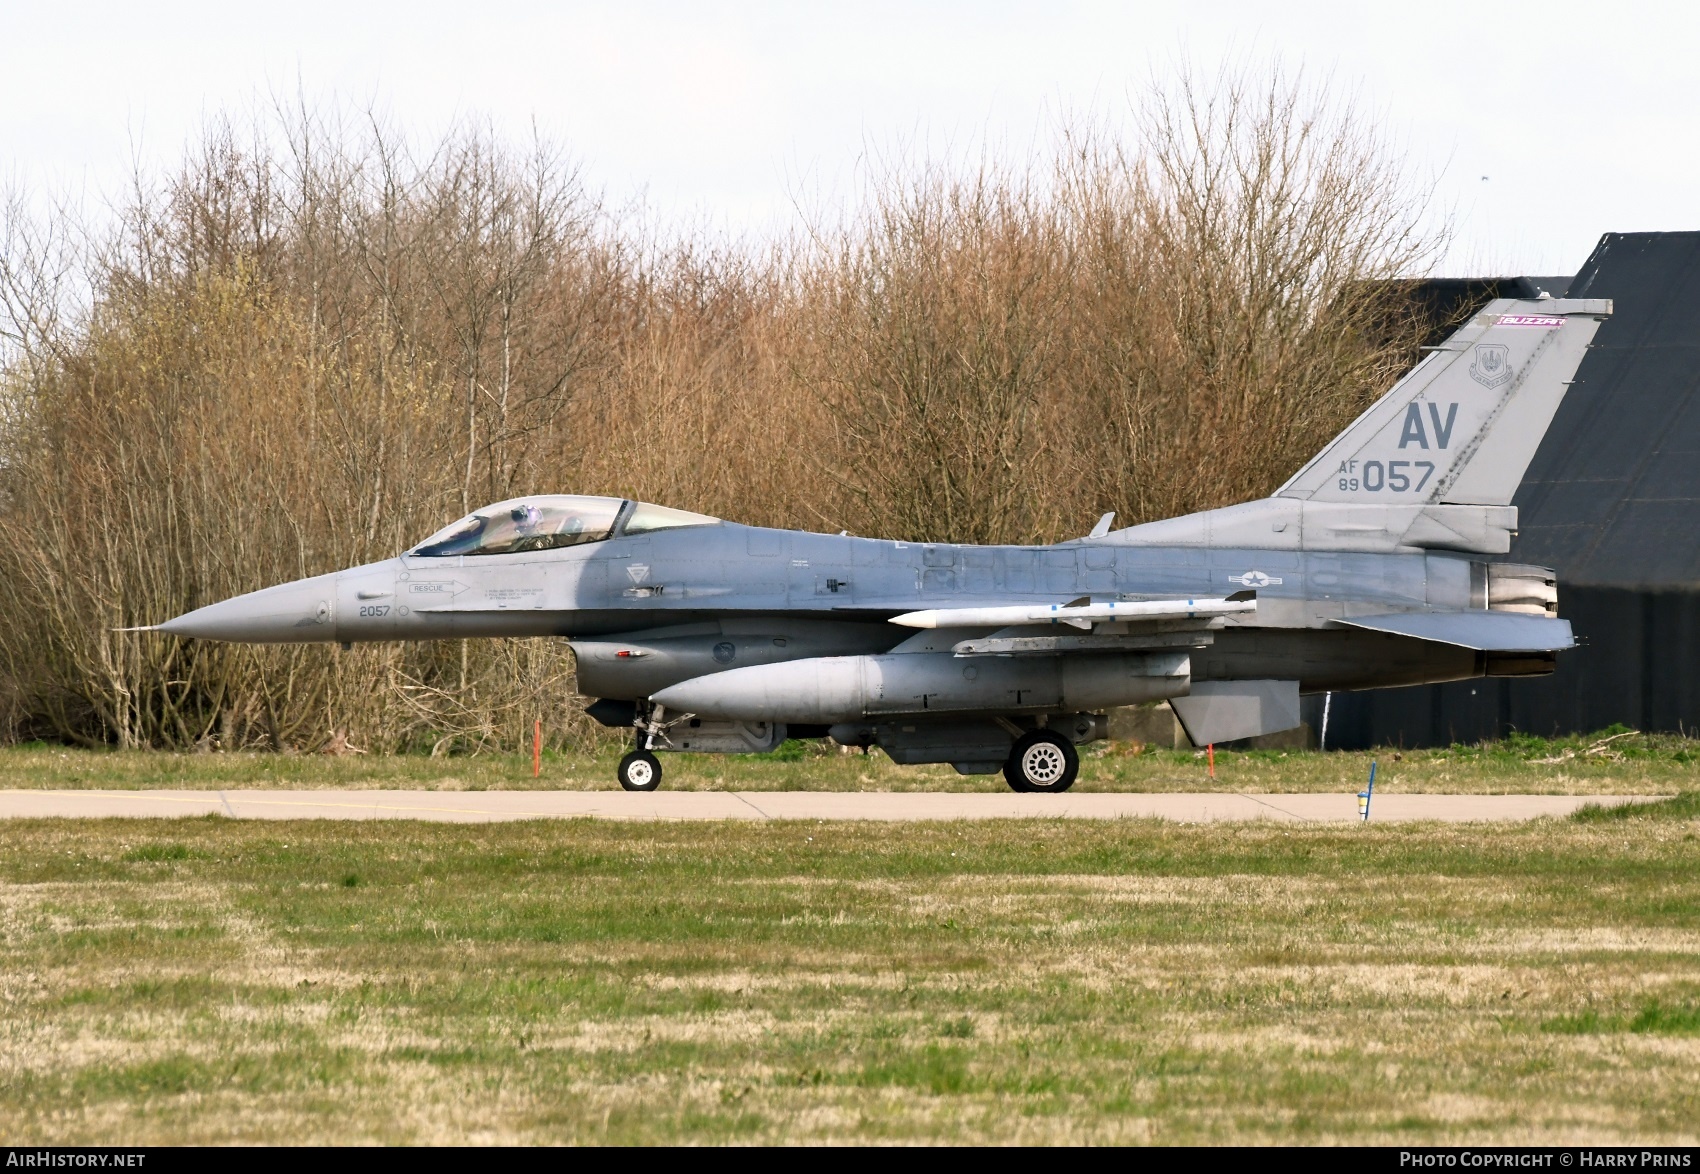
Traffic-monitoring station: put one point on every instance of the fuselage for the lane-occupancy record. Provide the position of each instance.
(778, 595)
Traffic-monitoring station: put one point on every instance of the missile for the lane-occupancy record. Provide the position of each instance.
(1082, 613)
(828, 689)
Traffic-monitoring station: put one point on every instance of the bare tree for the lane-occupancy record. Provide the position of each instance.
(311, 344)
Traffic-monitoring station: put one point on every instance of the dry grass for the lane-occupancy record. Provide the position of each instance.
(211, 981)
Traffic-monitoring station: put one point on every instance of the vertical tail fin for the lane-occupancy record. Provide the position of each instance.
(1433, 463)
(1461, 428)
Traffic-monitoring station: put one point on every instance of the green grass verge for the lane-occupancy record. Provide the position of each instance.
(1683, 806)
(1608, 763)
(1654, 1018)
(210, 980)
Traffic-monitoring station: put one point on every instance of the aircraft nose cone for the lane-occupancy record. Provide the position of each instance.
(291, 613)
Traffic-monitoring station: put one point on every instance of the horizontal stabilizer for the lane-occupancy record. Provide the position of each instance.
(1081, 613)
(1485, 631)
(1221, 711)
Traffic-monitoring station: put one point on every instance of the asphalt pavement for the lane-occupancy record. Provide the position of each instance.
(496, 806)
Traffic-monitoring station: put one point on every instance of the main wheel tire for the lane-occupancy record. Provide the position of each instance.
(1042, 762)
(640, 771)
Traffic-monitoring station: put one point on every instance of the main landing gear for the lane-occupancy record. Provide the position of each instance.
(1042, 761)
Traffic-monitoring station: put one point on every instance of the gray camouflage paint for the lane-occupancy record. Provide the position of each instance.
(833, 595)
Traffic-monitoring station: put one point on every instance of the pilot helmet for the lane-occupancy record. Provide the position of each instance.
(525, 516)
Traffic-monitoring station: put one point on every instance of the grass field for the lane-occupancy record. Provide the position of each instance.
(210, 980)
(1608, 763)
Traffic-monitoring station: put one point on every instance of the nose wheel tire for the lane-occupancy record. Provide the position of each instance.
(1042, 762)
(640, 771)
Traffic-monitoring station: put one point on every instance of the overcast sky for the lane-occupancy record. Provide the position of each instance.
(1549, 123)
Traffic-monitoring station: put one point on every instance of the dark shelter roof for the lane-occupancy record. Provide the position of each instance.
(1612, 497)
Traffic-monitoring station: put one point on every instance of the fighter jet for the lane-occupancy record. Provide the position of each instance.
(1373, 566)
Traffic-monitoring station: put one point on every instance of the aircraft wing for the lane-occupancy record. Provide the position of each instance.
(1485, 631)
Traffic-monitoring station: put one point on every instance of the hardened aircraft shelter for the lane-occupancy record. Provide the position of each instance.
(1612, 500)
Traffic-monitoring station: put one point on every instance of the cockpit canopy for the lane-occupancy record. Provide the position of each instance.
(549, 522)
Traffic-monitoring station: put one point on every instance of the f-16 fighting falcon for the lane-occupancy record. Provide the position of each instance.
(1372, 567)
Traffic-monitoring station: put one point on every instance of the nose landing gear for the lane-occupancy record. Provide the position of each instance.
(640, 771)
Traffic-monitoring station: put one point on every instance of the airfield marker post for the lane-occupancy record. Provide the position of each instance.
(537, 750)
(1365, 796)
